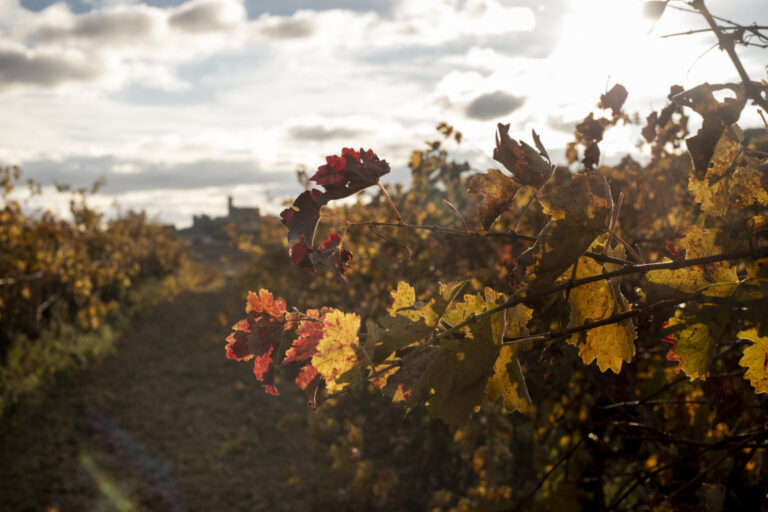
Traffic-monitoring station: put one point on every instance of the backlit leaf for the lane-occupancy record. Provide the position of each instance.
(755, 360)
(580, 208)
(507, 380)
(694, 338)
(715, 279)
(610, 345)
(498, 191)
(524, 162)
(336, 350)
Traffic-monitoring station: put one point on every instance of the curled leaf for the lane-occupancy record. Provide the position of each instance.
(524, 162)
(498, 191)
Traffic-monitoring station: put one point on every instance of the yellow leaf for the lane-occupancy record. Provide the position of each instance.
(611, 344)
(507, 380)
(336, 349)
(403, 297)
(694, 339)
(755, 360)
(715, 279)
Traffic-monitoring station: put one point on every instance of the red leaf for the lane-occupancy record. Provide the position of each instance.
(341, 176)
(309, 380)
(301, 255)
(258, 336)
(310, 332)
(307, 374)
(263, 343)
(301, 218)
(237, 346)
(349, 173)
(264, 302)
(334, 257)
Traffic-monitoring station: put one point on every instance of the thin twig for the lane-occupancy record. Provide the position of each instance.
(28, 277)
(726, 43)
(458, 215)
(630, 269)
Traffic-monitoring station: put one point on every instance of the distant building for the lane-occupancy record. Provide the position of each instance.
(205, 228)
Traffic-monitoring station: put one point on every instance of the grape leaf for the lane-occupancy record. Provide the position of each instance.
(611, 344)
(580, 207)
(591, 156)
(340, 177)
(525, 163)
(310, 331)
(259, 335)
(457, 378)
(694, 338)
(408, 322)
(349, 173)
(731, 180)
(507, 380)
(308, 379)
(591, 129)
(498, 191)
(755, 360)
(302, 217)
(715, 279)
(452, 375)
(333, 256)
(716, 117)
(614, 99)
(336, 350)
(649, 130)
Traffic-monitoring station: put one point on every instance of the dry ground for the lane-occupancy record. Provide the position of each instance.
(166, 423)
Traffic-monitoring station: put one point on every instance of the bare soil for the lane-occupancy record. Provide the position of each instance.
(166, 423)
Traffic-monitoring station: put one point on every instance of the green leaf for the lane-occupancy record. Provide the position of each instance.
(694, 338)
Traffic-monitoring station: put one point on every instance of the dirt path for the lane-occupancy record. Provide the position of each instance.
(166, 423)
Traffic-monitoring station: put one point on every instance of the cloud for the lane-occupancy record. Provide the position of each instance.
(299, 26)
(558, 123)
(492, 105)
(119, 25)
(131, 175)
(323, 133)
(207, 16)
(19, 67)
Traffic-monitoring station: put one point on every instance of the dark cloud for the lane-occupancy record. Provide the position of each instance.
(200, 17)
(114, 25)
(255, 8)
(290, 28)
(42, 70)
(561, 125)
(493, 105)
(81, 171)
(322, 133)
(288, 7)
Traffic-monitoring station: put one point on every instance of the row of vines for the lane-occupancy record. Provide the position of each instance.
(63, 283)
(533, 337)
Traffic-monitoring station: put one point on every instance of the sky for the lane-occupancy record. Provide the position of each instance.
(181, 103)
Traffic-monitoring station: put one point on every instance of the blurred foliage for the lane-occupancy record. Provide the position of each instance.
(65, 285)
(640, 439)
